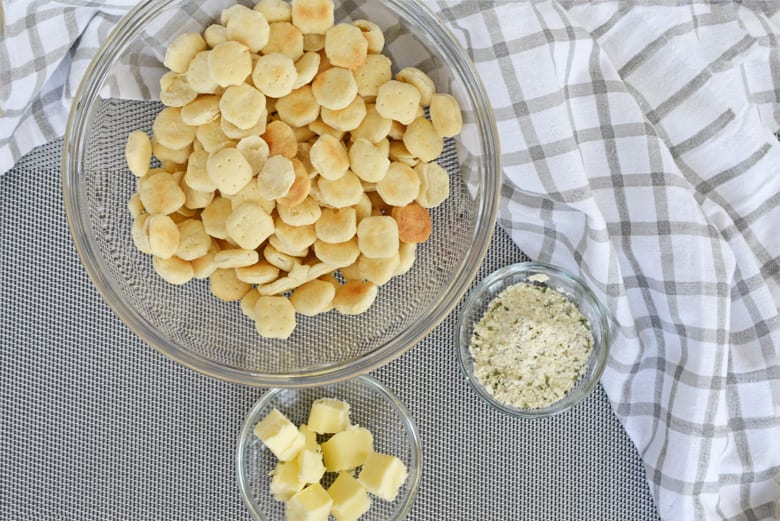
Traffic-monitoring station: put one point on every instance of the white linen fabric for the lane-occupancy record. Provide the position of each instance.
(639, 152)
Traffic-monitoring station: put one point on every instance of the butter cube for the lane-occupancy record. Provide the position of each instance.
(285, 481)
(310, 504)
(311, 438)
(328, 415)
(280, 435)
(350, 500)
(383, 475)
(310, 467)
(348, 449)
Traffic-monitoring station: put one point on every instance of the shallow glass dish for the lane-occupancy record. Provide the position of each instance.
(575, 290)
(120, 93)
(372, 406)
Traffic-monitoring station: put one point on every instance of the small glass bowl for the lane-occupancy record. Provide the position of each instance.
(372, 406)
(552, 277)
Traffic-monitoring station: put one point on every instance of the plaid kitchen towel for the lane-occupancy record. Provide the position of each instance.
(639, 152)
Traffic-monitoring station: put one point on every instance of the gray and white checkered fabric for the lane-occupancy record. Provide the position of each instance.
(639, 151)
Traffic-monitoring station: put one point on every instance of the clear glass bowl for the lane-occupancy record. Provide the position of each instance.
(372, 406)
(192, 327)
(575, 290)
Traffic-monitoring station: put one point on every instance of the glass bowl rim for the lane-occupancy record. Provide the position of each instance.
(126, 30)
(502, 275)
(410, 427)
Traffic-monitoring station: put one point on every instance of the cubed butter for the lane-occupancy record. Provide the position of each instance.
(328, 415)
(285, 481)
(383, 475)
(348, 449)
(350, 500)
(310, 504)
(280, 435)
(310, 436)
(310, 467)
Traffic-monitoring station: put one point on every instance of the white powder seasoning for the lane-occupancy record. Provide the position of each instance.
(531, 346)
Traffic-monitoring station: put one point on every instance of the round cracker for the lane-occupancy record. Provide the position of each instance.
(378, 236)
(275, 75)
(215, 215)
(285, 38)
(375, 72)
(336, 224)
(275, 10)
(434, 184)
(161, 194)
(281, 139)
(348, 118)
(307, 68)
(313, 297)
(368, 161)
(274, 317)
(344, 191)
(197, 177)
(163, 235)
(414, 223)
(180, 52)
(329, 157)
(229, 63)
(138, 152)
(299, 108)
(173, 270)
(398, 101)
(198, 75)
(423, 83)
(259, 273)
(334, 88)
(175, 90)
(225, 285)
(249, 28)
(312, 16)
(276, 177)
(204, 109)
(373, 35)
(446, 115)
(345, 46)
(229, 170)
(249, 225)
(400, 186)
(242, 105)
(355, 297)
(422, 140)
(300, 215)
(339, 254)
(235, 258)
(170, 130)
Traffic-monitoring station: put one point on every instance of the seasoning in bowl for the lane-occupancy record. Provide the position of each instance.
(531, 346)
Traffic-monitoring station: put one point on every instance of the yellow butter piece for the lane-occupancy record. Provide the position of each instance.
(348, 449)
(284, 480)
(280, 435)
(310, 504)
(310, 466)
(383, 475)
(328, 415)
(310, 436)
(350, 500)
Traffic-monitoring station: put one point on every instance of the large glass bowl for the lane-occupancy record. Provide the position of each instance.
(372, 406)
(120, 94)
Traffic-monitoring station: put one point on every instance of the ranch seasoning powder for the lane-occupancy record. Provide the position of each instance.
(530, 347)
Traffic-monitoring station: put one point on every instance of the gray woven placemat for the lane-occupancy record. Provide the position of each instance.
(95, 424)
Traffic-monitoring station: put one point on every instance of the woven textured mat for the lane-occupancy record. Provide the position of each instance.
(97, 425)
